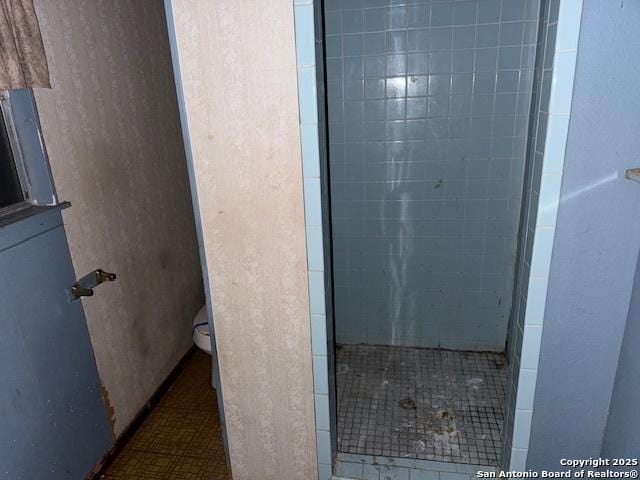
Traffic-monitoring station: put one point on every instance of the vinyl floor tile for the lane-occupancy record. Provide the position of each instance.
(181, 439)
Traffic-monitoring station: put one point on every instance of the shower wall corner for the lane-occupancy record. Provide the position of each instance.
(528, 308)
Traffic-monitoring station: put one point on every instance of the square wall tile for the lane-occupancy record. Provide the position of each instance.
(315, 253)
(522, 429)
(393, 473)
(371, 472)
(556, 141)
(453, 476)
(549, 199)
(323, 444)
(531, 347)
(526, 389)
(562, 88)
(312, 202)
(316, 292)
(320, 375)
(324, 472)
(518, 459)
(322, 412)
(333, 22)
(542, 249)
(319, 334)
(305, 38)
(424, 475)
(569, 18)
(310, 150)
(349, 470)
(536, 300)
(307, 98)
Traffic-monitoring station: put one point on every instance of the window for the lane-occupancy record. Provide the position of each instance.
(10, 187)
(25, 176)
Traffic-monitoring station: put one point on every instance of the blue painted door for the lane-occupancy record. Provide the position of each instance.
(53, 424)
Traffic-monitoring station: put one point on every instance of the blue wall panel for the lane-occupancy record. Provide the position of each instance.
(596, 245)
(53, 423)
(622, 436)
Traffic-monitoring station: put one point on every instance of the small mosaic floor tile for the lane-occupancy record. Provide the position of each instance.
(421, 403)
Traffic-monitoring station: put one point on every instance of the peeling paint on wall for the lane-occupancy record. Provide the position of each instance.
(111, 413)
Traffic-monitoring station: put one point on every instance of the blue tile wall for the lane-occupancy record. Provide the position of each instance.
(428, 105)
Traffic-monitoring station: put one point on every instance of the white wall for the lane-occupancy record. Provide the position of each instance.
(112, 131)
(238, 73)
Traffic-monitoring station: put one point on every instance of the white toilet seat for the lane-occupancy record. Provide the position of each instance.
(201, 331)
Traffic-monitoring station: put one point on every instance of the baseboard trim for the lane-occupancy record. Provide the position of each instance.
(100, 468)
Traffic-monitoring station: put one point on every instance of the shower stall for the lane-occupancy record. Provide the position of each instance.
(428, 114)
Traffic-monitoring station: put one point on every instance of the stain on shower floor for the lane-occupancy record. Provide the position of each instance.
(421, 403)
(181, 439)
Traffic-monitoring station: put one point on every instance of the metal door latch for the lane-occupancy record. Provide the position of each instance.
(632, 174)
(84, 287)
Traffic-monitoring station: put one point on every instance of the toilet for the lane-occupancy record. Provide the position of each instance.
(201, 331)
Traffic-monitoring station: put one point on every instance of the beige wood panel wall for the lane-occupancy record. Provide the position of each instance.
(112, 130)
(237, 60)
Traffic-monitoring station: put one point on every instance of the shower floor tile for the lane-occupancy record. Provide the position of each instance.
(420, 403)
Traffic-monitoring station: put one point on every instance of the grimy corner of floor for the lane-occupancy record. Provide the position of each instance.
(182, 438)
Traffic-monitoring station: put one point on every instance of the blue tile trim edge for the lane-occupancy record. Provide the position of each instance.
(559, 108)
(307, 104)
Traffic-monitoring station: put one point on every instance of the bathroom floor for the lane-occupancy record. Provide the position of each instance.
(420, 403)
(181, 438)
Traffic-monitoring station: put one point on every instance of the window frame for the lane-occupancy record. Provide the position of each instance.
(18, 109)
(16, 154)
